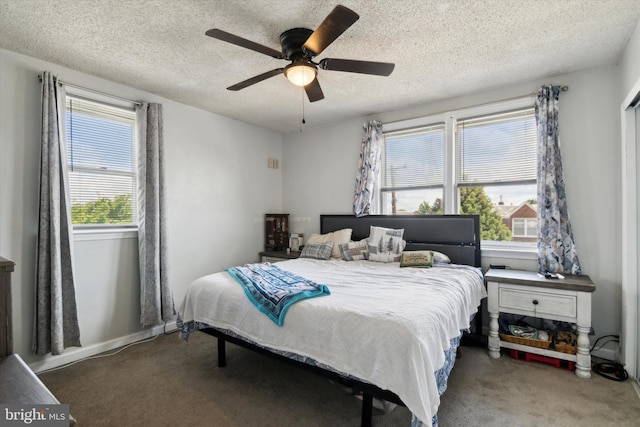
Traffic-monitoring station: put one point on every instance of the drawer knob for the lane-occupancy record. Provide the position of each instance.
(535, 302)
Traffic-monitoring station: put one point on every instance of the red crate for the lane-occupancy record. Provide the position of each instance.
(530, 357)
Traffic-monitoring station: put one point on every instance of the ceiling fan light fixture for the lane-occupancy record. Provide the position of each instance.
(300, 74)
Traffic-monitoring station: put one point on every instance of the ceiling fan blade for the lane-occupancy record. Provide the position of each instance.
(256, 79)
(353, 66)
(336, 23)
(314, 91)
(248, 44)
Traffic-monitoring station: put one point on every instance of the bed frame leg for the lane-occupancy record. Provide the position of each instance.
(367, 410)
(222, 355)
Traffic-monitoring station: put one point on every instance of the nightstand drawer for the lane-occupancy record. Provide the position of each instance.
(547, 303)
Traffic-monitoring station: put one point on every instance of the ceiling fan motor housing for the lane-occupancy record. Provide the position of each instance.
(292, 41)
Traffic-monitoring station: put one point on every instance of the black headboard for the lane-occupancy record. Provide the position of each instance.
(458, 236)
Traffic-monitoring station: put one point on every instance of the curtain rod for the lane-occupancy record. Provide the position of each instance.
(563, 88)
(62, 82)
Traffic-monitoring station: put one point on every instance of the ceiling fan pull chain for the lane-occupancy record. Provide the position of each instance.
(302, 98)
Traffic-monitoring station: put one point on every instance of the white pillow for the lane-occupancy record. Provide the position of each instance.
(440, 257)
(338, 237)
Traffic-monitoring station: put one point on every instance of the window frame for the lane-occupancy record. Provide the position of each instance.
(105, 231)
(525, 227)
(451, 198)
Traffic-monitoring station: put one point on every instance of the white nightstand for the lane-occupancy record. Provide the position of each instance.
(276, 256)
(526, 293)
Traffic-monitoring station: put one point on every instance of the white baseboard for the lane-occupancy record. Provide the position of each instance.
(605, 353)
(636, 385)
(76, 354)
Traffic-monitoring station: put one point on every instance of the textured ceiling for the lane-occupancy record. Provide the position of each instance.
(441, 48)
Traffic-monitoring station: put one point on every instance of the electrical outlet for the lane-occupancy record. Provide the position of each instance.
(272, 163)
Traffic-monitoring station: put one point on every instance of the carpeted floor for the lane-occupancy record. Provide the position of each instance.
(169, 382)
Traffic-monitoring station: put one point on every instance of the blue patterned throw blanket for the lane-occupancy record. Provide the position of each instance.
(273, 290)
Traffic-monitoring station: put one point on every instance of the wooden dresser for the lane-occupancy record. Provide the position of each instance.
(6, 331)
(19, 384)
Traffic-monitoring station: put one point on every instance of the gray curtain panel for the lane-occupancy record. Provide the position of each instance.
(56, 316)
(370, 149)
(556, 247)
(156, 298)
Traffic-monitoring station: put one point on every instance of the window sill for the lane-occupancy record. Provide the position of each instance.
(509, 250)
(104, 234)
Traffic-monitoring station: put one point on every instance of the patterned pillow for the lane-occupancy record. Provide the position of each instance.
(338, 237)
(385, 244)
(354, 251)
(416, 259)
(317, 250)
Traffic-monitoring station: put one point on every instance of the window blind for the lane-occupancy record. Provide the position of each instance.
(413, 159)
(497, 149)
(102, 162)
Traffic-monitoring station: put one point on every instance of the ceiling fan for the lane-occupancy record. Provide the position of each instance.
(300, 45)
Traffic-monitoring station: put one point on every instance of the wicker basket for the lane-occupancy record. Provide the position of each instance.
(526, 341)
(566, 347)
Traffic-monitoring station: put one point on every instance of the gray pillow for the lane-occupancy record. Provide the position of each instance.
(354, 251)
(317, 250)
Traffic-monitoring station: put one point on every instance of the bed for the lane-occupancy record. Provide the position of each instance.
(386, 332)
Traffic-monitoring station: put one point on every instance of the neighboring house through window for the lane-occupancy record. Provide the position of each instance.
(521, 220)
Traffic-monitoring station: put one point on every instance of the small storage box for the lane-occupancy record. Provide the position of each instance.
(529, 357)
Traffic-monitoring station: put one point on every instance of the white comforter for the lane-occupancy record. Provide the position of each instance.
(383, 324)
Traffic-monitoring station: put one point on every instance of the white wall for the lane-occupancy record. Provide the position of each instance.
(218, 190)
(319, 171)
(630, 63)
(320, 167)
(630, 125)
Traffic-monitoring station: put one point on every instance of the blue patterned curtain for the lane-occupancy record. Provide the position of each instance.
(368, 168)
(556, 247)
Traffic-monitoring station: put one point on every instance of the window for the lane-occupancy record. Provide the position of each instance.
(100, 142)
(496, 164)
(481, 160)
(413, 171)
(524, 227)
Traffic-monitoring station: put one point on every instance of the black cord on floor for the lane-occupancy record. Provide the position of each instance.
(609, 369)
